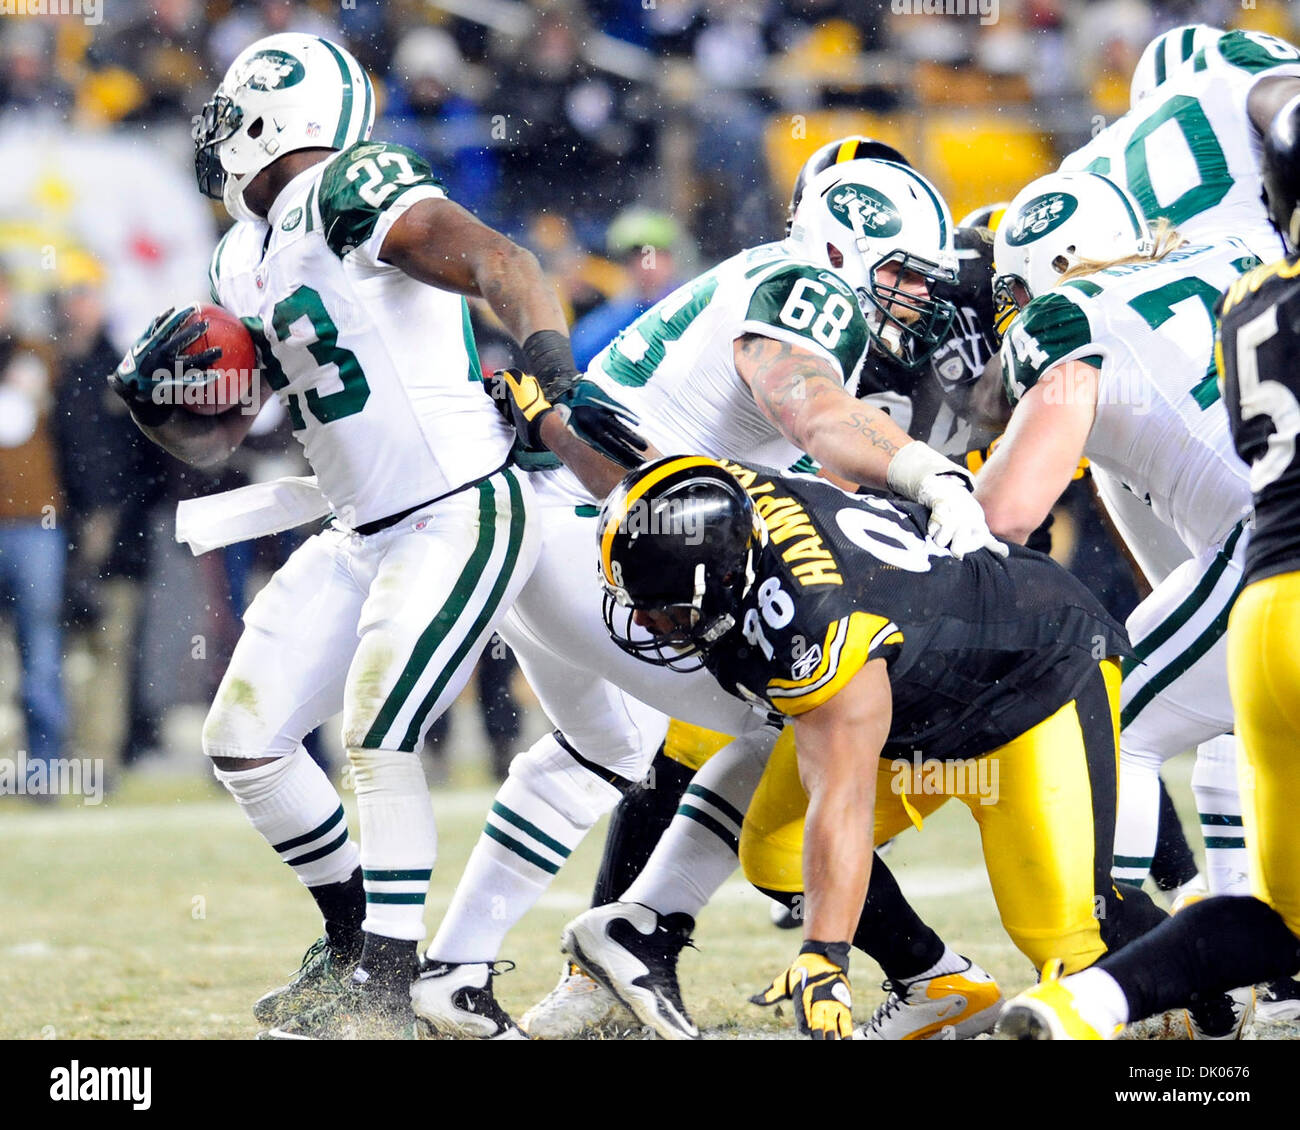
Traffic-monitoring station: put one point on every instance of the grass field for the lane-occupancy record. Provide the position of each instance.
(160, 914)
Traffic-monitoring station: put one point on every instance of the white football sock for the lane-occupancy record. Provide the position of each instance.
(540, 814)
(292, 803)
(1099, 999)
(1137, 818)
(697, 854)
(950, 962)
(1214, 784)
(399, 840)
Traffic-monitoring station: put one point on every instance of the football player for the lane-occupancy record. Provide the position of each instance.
(348, 265)
(1221, 943)
(1111, 356)
(751, 359)
(934, 399)
(1188, 152)
(891, 649)
(1188, 149)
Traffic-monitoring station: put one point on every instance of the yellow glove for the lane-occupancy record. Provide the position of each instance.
(818, 983)
(520, 399)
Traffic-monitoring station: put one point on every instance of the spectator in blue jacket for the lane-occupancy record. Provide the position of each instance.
(645, 243)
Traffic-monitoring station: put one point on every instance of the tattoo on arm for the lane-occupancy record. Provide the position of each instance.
(784, 381)
(788, 383)
(863, 425)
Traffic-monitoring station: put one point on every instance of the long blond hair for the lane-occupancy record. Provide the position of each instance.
(1164, 235)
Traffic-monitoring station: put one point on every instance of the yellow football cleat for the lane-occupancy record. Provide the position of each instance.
(1049, 1011)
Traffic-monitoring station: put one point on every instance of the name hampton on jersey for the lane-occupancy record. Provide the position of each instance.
(811, 562)
(379, 373)
(1189, 153)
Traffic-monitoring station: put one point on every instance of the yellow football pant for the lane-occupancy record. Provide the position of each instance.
(1264, 676)
(691, 745)
(1047, 840)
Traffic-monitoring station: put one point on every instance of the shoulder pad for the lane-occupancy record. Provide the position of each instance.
(1052, 327)
(360, 183)
(814, 303)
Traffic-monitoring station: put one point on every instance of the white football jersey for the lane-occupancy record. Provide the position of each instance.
(378, 372)
(1161, 429)
(675, 365)
(1189, 153)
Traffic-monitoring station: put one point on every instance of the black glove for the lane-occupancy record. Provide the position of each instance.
(147, 378)
(595, 418)
(818, 983)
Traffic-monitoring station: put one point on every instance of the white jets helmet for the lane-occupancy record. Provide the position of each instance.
(857, 216)
(1056, 222)
(1165, 54)
(283, 93)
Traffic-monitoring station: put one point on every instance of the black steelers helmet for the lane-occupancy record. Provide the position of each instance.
(1281, 169)
(855, 148)
(678, 537)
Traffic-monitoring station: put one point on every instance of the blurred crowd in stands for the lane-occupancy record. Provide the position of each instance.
(629, 143)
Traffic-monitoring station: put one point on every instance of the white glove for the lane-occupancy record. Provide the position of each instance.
(957, 520)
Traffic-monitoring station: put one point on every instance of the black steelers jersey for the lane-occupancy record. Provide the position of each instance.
(979, 650)
(933, 404)
(1258, 357)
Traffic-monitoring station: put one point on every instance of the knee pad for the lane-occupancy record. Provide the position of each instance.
(549, 770)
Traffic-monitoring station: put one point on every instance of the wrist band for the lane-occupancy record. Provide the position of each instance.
(548, 356)
(838, 952)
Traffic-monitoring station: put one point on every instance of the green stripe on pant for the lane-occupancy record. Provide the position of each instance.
(441, 625)
(485, 617)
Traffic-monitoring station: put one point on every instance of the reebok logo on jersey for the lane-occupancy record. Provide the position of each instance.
(1041, 215)
(806, 664)
(864, 211)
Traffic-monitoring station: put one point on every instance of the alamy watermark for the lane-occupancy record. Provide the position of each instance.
(987, 10)
(975, 777)
(663, 516)
(91, 11)
(218, 389)
(55, 776)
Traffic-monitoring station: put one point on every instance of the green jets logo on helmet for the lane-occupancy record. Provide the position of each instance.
(864, 211)
(1041, 215)
(272, 70)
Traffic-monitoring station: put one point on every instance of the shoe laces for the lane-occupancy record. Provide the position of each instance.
(893, 1003)
(319, 946)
